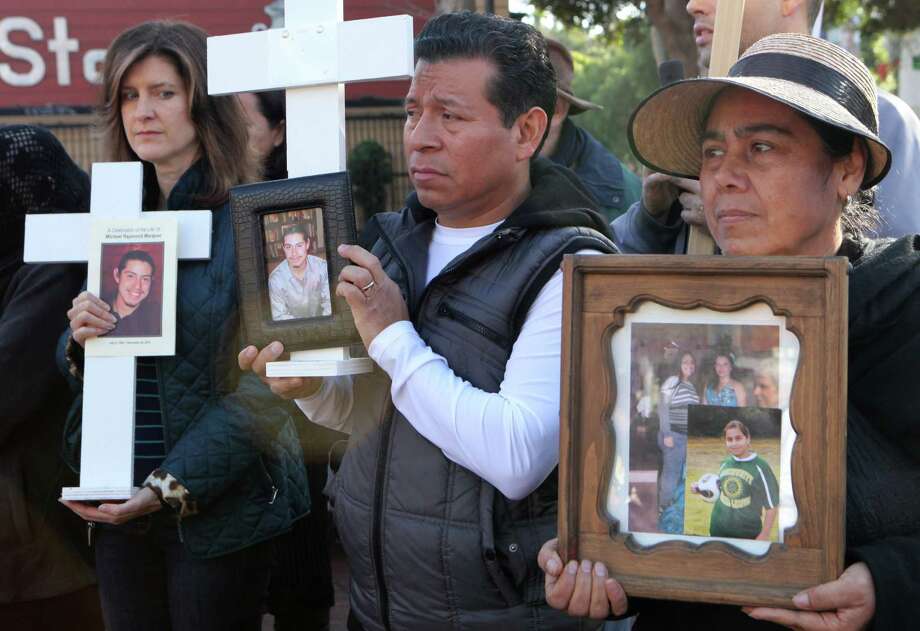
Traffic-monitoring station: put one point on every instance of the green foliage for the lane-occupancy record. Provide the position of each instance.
(617, 76)
(587, 13)
(870, 17)
(872, 20)
(874, 16)
(371, 169)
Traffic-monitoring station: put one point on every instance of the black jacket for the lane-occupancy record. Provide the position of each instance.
(38, 558)
(38, 536)
(614, 186)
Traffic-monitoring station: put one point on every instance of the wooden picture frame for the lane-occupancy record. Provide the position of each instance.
(322, 205)
(604, 302)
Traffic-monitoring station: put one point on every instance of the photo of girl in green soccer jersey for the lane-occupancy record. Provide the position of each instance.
(748, 499)
(733, 469)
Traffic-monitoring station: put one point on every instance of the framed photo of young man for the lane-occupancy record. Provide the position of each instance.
(132, 267)
(287, 235)
(702, 449)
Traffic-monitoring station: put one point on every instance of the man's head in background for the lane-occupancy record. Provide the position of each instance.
(761, 18)
(567, 104)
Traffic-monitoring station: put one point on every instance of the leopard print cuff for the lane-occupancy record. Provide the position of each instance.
(73, 352)
(171, 492)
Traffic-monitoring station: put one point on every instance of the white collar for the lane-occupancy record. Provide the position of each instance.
(748, 459)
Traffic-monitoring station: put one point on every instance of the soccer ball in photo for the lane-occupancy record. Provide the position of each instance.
(708, 487)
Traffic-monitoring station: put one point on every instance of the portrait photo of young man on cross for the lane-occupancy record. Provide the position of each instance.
(136, 313)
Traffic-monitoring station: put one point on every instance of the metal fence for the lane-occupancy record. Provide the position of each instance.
(386, 128)
(382, 125)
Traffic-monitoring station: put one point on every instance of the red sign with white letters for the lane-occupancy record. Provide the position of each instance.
(51, 51)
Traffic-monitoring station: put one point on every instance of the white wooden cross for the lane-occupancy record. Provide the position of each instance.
(312, 58)
(107, 444)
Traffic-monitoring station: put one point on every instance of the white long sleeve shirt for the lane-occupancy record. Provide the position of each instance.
(509, 438)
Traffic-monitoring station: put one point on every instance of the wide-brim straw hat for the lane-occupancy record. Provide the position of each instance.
(808, 74)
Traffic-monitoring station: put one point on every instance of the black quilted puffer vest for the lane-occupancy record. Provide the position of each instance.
(430, 544)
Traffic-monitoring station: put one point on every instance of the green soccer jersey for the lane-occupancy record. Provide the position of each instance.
(747, 487)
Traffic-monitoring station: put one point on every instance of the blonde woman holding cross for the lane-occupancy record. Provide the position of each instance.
(216, 454)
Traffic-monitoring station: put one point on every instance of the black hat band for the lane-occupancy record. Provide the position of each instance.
(812, 74)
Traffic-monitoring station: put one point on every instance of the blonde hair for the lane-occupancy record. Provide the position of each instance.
(219, 121)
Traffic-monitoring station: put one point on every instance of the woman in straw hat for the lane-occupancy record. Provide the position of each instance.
(785, 149)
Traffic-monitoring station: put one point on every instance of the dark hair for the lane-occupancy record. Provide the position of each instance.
(524, 77)
(36, 175)
(137, 255)
(741, 427)
(730, 356)
(680, 362)
(219, 121)
(297, 228)
(679, 370)
(272, 107)
(859, 215)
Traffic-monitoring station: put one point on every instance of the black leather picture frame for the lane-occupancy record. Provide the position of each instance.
(331, 193)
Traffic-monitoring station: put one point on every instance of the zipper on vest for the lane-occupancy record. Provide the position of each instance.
(401, 262)
(484, 248)
(447, 311)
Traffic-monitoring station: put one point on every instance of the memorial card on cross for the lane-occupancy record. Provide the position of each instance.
(107, 447)
(312, 58)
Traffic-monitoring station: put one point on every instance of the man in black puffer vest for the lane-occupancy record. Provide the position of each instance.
(448, 488)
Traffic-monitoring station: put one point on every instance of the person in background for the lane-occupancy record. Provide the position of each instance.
(217, 458)
(45, 583)
(766, 388)
(614, 186)
(266, 125)
(301, 590)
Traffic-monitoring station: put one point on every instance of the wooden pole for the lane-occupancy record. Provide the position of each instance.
(726, 40)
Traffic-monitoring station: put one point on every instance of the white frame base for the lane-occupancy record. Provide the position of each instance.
(320, 367)
(83, 494)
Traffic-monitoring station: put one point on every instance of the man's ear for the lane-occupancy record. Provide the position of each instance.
(852, 169)
(788, 7)
(529, 129)
(115, 274)
(278, 134)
